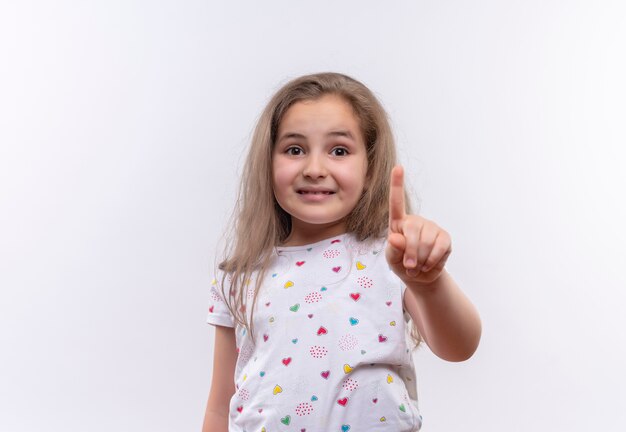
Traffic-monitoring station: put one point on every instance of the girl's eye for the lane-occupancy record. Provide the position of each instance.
(339, 151)
(294, 151)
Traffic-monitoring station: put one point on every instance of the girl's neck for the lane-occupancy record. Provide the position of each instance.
(303, 234)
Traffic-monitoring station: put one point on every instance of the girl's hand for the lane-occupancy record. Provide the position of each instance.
(417, 249)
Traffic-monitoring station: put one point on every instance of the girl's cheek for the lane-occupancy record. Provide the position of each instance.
(281, 180)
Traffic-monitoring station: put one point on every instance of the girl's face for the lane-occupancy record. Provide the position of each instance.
(319, 166)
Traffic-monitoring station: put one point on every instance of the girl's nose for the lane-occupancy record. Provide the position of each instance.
(314, 167)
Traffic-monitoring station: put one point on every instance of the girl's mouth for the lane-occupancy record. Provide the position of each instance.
(309, 192)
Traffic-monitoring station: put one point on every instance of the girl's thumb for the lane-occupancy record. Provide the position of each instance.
(396, 243)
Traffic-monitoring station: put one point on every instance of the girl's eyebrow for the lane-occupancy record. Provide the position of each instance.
(338, 133)
(290, 135)
(341, 133)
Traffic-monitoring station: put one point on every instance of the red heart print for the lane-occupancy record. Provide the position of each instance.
(355, 296)
(325, 374)
(310, 315)
(388, 303)
(375, 400)
(260, 410)
(322, 331)
(286, 361)
(265, 337)
(343, 401)
(382, 338)
(267, 304)
(299, 263)
(211, 309)
(239, 408)
(337, 269)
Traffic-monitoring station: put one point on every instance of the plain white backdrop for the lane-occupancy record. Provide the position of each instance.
(123, 126)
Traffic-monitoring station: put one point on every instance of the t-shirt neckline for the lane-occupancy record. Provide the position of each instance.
(325, 242)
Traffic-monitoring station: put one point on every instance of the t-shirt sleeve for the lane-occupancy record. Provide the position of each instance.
(218, 314)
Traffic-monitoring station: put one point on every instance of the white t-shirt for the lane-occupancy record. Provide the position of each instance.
(331, 350)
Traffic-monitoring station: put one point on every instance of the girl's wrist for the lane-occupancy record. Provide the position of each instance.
(428, 287)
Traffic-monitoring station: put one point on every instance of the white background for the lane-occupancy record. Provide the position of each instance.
(123, 126)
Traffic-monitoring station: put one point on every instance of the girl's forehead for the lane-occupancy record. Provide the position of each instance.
(328, 111)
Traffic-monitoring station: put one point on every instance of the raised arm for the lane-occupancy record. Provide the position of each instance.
(417, 252)
(222, 382)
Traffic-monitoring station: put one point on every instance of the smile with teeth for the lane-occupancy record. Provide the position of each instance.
(307, 192)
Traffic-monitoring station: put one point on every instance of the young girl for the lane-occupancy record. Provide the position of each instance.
(326, 273)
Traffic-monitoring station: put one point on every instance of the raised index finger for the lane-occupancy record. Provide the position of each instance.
(396, 196)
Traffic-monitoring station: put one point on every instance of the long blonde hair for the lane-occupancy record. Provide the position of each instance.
(260, 224)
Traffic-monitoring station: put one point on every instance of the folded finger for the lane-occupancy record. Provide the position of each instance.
(427, 242)
(439, 253)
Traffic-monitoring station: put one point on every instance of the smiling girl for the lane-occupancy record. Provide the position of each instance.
(326, 275)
